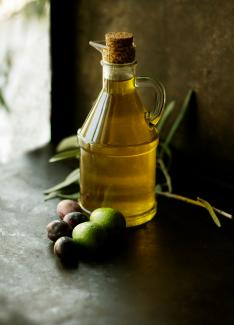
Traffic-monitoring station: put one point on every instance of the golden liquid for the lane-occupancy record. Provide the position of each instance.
(118, 155)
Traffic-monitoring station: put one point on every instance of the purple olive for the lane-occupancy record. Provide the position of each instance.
(75, 218)
(57, 229)
(66, 249)
(66, 206)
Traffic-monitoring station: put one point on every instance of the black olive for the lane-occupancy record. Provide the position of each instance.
(57, 229)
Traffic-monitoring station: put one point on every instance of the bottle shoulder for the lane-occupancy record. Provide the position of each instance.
(117, 120)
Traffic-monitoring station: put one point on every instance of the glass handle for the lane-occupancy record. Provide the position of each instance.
(152, 117)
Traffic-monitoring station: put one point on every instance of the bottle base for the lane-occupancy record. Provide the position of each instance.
(135, 220)
(140, 219)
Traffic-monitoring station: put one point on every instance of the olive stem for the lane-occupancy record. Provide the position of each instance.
(191, 201)
(166, 174)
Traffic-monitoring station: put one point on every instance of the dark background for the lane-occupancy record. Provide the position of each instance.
(186, 44)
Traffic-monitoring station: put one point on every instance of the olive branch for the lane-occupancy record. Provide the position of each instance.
(68, 149)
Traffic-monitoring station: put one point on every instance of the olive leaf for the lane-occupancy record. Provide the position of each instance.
(166, 149)
(58, 194)
(75, 153)
(75, 174)
(67, 143)
(3, 102)
(210, 209)
(158, 188)
(199, 202)
(179, 118)
(164, 153)
(68, 181)
(166, 113)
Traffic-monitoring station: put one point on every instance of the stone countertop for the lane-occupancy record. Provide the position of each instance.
(177, 269)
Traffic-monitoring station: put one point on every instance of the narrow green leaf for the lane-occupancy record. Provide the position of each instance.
(158, 188)
(65, 183)
(3, 102)
(179, 118)
(57, 194)
(164, 149)
(192, 201)
(67, 143)
(74, 174)
(211, 211)
(167, 111)
(75, 153)
(50, 196)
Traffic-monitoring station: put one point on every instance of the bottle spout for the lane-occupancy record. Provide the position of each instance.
(98, 45)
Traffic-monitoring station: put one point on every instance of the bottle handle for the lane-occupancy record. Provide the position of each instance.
(153, 117)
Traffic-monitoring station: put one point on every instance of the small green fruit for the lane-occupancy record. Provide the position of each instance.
(111, 220)
(90, 237)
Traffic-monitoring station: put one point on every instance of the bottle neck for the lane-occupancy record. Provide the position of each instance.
(118, 78)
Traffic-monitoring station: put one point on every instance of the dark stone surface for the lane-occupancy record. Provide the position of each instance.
(177, 269)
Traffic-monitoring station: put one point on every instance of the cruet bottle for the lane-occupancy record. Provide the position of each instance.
(118, 139)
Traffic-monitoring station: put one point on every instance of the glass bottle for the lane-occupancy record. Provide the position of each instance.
(118, 139)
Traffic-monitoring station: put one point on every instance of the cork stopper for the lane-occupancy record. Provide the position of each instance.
(119, 48)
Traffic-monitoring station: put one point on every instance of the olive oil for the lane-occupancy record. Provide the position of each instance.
(118, 154)
(118, 140)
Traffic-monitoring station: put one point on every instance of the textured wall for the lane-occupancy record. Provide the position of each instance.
(184, 43)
